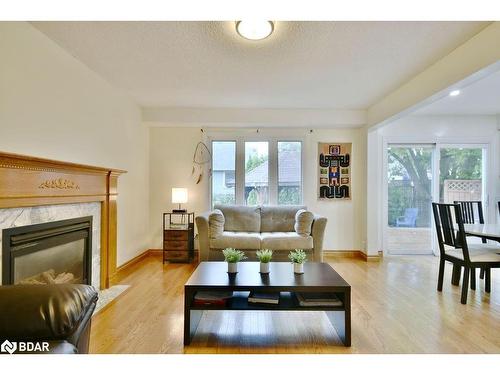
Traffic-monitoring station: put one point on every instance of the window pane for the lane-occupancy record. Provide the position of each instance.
(256, 173)
(409, 198)
(460, 174)
(289, 172)
(223, 172)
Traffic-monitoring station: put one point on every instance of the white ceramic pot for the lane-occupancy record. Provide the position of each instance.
(264, 267)
(232, 267)
(298, 267)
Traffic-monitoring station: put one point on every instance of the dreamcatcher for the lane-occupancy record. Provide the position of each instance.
(201, 157)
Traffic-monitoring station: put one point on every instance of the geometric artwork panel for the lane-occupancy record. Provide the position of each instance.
(334, 167)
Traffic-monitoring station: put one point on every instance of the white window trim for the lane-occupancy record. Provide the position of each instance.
(240, 140)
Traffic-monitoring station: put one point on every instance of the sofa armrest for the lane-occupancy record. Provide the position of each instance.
(318, 234)
(51, 312)
(203, 236)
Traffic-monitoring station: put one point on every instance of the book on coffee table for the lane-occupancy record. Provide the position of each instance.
(317, 299)
(210, 295)
(264, 298)
(211, 298)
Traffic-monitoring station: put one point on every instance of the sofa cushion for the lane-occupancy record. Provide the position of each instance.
(215, 223)
(303, 222)
(237, 240)
(278, 218)
(285, 241)
(240, 218)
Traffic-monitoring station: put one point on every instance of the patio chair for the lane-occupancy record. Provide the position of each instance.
(409, 219)
(453, 247)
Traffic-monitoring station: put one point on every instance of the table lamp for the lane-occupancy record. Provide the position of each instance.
(179, 195)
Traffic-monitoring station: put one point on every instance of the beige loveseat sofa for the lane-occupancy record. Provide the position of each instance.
(262, 227)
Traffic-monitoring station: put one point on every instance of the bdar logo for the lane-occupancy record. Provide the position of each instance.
(8, 347)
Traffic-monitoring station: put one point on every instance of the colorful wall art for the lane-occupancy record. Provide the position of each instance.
(334, 170)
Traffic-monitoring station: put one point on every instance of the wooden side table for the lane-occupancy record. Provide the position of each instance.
(178, 237)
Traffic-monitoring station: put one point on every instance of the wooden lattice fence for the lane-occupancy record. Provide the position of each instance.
(462, 190)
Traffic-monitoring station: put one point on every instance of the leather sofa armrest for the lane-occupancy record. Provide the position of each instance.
(318, 234)
(50, 312)
(203, 237)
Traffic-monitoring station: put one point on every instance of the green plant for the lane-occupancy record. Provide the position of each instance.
(232, 255)
(264, 255)
(297, 256)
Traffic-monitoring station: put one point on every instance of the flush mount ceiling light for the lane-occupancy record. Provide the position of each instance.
(254, 30)
(454, 93)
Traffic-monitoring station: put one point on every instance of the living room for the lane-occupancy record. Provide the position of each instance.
(229, 187)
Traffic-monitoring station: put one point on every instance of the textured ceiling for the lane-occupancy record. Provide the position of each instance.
(349, 65)
(480, 98)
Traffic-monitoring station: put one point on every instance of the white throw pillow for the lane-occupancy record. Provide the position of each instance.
(303, 222)
(216, 222)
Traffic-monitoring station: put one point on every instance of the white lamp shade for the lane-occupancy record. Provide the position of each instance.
(179, 195)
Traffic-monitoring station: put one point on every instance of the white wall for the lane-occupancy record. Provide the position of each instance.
(53, 106)
(171, 162)
(171, 152)
(429, 129)
(346, 228)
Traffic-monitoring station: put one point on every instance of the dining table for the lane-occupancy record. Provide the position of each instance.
(486, 231)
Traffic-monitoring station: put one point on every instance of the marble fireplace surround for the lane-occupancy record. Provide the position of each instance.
(21, 216)
(34, 190)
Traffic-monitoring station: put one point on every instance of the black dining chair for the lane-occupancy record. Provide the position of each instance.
(469, 213)
(453, 248)
(469, 216)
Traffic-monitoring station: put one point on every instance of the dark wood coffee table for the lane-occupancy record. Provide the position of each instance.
(317, 277)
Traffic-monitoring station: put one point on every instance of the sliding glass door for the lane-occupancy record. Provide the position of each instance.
(409, 197)
(419, 174)
(461, 173)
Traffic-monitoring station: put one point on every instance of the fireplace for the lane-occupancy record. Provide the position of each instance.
(56, 252)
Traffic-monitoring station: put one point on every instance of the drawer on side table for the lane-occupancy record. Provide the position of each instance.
(175, 245)
(176, 235)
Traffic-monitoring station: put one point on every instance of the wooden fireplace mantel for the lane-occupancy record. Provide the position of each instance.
(27, 181)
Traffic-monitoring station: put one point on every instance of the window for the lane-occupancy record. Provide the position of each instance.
(255, 172)
(223, 172)
(409, 198)
(230, 179)
(460, 174)
(289, 172)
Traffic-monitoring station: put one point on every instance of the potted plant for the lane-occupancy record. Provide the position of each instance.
(264, 256)
(298, 258)
(232, 257)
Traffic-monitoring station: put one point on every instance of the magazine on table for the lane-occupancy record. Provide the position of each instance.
(265, 298)
(318, 299)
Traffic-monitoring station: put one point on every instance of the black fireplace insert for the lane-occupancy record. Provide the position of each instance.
(50, 253)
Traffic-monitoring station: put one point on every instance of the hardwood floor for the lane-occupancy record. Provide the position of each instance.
(395, 309)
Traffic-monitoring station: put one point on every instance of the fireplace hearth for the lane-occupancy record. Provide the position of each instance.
(50, 253)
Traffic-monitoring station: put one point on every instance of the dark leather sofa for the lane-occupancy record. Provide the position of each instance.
(57, 314)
